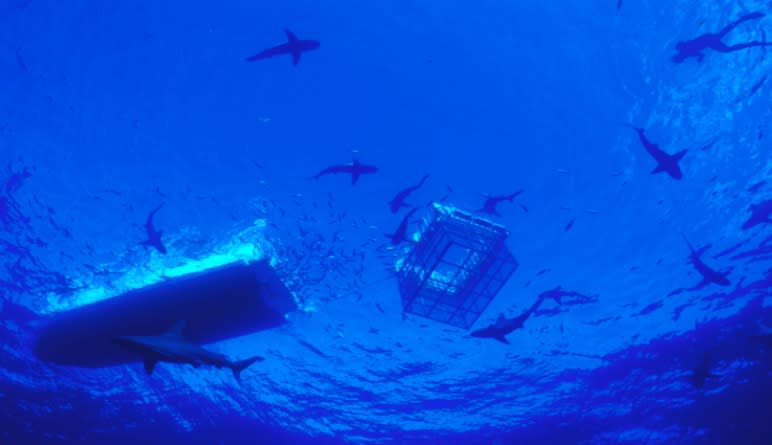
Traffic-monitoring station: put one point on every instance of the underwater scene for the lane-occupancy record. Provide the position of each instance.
(386, 222)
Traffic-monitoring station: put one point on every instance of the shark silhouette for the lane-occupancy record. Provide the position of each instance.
(666, 163)
(708, 275)
(153, 235)
(558, 293)
(400, 234)
(294, 46)
(695, 47)
(491, 202)
(761, 213)
(505, 326)
(171, 347)
(355, 169)
(399, 200)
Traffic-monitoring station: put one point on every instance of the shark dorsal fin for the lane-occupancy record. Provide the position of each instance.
(677, 157)
(176, 330)
(291, 37)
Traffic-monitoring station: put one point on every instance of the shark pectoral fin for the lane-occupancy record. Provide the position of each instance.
(658, 169)
(502, 339)
(677, 157)
(295, 57)
(355, 177)
(149, 366)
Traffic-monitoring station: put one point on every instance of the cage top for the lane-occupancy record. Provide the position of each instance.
(460, 215)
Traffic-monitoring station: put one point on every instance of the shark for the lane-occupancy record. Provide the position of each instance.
(491, 202)
(294, 47)
(505, 326)
(708, 275)
(355, 169)
(153, 235)
(399, 200)
(666, 163)
(400, 234)
(172, 347)
(761, 213)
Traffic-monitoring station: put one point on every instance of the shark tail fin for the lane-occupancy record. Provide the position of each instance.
(241, 365)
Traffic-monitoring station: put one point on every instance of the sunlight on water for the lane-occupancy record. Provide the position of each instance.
(247, 245)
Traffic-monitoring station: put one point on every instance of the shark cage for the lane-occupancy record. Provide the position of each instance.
(455, 269)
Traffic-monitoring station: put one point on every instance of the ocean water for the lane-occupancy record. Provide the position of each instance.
(109, 110)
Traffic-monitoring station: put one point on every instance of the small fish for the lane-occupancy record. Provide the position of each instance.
(757, 85)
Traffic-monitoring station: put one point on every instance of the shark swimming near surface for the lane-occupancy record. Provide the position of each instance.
(492, 202)
(666, 163)
(355, 169)
(153, 235)
(172, 347)
(709, 276)
(695, 47)
(399, 200)
(761, 213)
(505, 326)
(400, 234)
(558, 294)
(294, 47)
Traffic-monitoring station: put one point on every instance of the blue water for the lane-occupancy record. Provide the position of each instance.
(109, 109)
